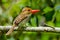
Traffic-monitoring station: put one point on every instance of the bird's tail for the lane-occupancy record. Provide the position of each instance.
(11, 30)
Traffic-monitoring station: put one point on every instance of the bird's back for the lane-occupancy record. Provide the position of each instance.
(21, 18)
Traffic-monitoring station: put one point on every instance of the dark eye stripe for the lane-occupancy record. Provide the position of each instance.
(28, 10)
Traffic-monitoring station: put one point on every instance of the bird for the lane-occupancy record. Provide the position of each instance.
(23, 17)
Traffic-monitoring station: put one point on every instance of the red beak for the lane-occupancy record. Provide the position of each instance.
(34, 11)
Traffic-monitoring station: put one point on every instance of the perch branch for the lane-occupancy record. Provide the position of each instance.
(33, 29)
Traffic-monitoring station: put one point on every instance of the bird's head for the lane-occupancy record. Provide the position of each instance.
(28, 9)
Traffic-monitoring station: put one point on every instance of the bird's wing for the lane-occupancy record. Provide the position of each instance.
(20, 18)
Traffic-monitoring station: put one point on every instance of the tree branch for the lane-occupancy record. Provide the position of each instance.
(33, 29)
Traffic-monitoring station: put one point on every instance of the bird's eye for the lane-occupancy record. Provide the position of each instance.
(28, 10)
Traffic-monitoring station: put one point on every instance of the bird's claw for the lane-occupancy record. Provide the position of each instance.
(53, 28)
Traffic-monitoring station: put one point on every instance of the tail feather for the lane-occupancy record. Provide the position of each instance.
(11, 30)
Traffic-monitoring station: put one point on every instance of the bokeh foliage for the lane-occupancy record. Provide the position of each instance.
(50, 9)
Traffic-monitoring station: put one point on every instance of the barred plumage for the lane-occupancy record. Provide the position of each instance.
(23, 17)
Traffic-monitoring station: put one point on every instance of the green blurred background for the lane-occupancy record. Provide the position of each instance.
(50, 9)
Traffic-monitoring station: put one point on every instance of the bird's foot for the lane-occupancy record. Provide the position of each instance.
(53, 28)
